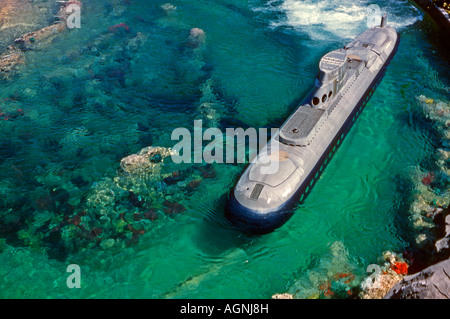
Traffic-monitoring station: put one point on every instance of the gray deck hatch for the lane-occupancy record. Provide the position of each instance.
(301, 126)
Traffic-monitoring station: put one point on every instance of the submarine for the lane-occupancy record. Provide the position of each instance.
(264, 198)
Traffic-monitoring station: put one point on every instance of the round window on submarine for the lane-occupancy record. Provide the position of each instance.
(330, 94)
(324, 98)
(315, 100)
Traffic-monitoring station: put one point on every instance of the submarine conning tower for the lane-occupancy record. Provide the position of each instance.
(332, 75)
(368, 48)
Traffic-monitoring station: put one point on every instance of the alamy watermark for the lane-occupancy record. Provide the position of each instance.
(74, 279)
(73, 11)
(374, 15)
(190, 147)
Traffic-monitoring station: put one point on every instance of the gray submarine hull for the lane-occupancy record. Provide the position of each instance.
(264, 200)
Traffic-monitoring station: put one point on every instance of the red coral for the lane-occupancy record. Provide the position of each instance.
(428, 179)
(120, 26)
(400, 268)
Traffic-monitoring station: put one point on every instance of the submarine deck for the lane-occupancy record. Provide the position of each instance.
(301, 124)
(305, 122)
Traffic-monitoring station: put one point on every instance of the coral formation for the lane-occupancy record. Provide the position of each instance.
(332, 278)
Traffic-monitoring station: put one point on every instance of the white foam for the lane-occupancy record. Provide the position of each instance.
(338, 18)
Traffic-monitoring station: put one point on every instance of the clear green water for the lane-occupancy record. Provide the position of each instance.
(92, 98)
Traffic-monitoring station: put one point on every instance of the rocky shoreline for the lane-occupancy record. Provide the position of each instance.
(439, 10)
(431, 216)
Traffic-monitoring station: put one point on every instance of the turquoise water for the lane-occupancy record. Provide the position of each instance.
(98, 94)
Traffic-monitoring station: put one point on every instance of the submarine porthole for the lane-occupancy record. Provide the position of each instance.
(315, 100)
(324, 98)
(330, 94)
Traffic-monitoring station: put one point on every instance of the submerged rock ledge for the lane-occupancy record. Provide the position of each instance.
(14, 55)
(431, 283)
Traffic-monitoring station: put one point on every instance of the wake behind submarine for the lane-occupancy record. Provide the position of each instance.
(263, 198)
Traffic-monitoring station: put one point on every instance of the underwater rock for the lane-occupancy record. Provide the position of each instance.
(196, 37)
(378, 284)
(147, 160)
(49, 31)
(21, 16)
(332, 277)
(210, 107)
(134, 44)
(14, 55)
(25, 41)
(107, 244)
(431, 283)
(173, 208)
(442, 245)
(145, 175)
(436, 110)
(135, 164)
(10, 59)
(167, 7)
(381, 286)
